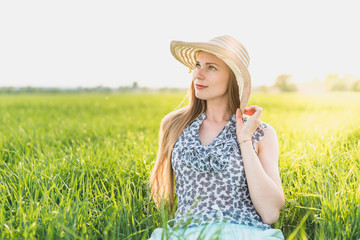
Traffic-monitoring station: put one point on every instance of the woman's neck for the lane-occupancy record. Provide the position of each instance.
(217, 111)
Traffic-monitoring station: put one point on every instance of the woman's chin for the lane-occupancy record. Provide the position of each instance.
(206, 96)
(201, 96)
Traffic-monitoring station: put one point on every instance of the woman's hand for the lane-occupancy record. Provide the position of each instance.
(261, 169)
(245, 131)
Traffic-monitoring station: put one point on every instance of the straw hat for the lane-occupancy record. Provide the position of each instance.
(229, 50)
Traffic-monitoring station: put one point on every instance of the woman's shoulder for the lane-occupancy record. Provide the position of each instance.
(172, 115)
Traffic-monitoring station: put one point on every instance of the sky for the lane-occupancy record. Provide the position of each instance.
(72, 43)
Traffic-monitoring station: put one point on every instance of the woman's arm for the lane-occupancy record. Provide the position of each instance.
(262, 172)
(263, 177)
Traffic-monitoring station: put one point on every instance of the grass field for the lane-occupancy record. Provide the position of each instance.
(77, 166)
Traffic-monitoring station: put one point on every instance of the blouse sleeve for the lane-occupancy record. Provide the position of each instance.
(259, 132)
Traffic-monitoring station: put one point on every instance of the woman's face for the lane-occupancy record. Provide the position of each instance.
(212, 73)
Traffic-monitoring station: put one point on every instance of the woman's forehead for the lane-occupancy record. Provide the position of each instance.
(207, 55)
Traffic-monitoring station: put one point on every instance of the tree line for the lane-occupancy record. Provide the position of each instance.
(283, 83)
(331, 82)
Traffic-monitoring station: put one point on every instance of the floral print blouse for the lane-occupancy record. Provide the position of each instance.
(210, 179)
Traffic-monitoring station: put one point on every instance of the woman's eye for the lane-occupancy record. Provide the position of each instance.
(212, 67)
(197, 65)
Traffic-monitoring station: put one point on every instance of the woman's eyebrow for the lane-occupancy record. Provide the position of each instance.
(208, 63)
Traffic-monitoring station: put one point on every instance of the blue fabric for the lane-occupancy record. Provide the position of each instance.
(210, 180)
(220, 231)
(213, 197)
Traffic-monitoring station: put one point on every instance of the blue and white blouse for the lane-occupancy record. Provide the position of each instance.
(210, 180)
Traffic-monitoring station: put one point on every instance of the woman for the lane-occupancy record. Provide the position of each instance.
(227, 180)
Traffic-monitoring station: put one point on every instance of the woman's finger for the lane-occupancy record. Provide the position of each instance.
(258, 112)
(239, 116)
(251, 110)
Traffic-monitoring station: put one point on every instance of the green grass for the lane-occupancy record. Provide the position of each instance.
(77, 166)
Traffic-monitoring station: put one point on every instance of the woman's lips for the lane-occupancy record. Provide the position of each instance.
(200, 86)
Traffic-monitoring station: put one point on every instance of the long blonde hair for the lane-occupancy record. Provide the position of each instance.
(162, 177)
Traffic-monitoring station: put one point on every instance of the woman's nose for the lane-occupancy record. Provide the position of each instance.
(198, 73)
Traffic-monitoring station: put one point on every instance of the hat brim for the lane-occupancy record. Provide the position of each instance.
(185, 52)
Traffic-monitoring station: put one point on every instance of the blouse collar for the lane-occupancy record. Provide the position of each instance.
(232, 118)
